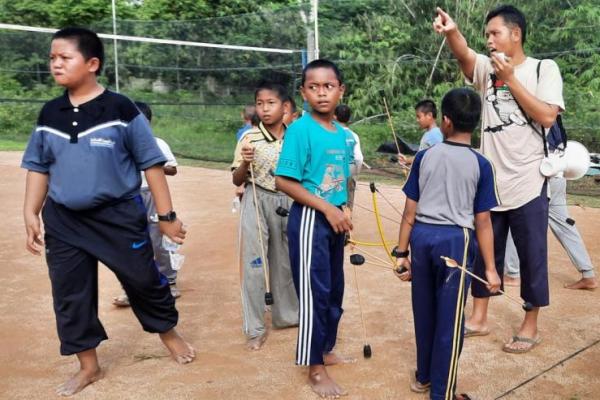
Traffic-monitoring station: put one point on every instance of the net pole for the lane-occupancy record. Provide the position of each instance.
(114, 24)
(316, 17)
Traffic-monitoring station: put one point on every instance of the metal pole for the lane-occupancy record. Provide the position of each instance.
(304, 55)
(114, 22)
(316, 17)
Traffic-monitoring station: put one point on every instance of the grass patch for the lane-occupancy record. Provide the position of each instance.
(12, 145)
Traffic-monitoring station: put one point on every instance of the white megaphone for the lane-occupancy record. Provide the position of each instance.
(573, 162)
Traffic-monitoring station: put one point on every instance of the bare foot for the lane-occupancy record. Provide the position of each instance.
(510, 281)
(180, 350)
(333, 359)
(322, 384)
(256, 343)
(79, 381)
(584, 283)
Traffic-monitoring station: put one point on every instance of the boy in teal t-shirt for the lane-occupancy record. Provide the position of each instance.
(313, 170)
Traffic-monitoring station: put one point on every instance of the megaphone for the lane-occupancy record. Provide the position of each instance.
(573, 162)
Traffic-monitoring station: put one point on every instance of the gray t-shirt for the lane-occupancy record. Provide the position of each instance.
(451, 183)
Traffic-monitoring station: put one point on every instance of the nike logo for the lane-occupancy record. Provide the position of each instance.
(137, 245)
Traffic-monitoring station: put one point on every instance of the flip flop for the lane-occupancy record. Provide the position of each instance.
(417, 386)
(463, 396)
(474, 332)
(519, 339)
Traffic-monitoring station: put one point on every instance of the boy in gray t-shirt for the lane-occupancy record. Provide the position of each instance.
(449, 193)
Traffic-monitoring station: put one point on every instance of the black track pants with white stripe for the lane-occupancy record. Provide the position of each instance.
(317, 261)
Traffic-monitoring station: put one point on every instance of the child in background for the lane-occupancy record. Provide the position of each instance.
(162, 256)
(247, 113)
(342, 115)
(426, 114)
(260, 148)
(293, 113)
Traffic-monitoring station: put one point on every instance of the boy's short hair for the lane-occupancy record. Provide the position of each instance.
(292, 102)
(88, 43)
(427, 106)
(144, 109)
(278, 88)
(255, 120)
(322, 63)
(463, 107)
(343, 113)
(511, 16)
(249, 111)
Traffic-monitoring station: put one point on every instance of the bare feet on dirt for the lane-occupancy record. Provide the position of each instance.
(181, 351)
(583, 284)
(322, 384)
(79, 381)
(257, 342)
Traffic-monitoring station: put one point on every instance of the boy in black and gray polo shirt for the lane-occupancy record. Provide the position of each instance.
(83, 161)
(449, 193)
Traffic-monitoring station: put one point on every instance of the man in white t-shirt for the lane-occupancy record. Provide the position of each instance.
(162, 256)
(520, 95)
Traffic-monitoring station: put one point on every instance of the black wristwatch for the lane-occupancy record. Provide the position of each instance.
(168, 217)
(399, 254)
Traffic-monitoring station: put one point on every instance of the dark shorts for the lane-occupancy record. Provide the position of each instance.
(528, 225)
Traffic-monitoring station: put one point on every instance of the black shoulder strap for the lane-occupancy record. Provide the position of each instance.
(530, 120)
(537, 70)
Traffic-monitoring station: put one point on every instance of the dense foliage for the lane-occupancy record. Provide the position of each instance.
(384, 45)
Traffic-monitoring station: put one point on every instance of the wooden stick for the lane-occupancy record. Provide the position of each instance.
(260, 237)
(453, 264)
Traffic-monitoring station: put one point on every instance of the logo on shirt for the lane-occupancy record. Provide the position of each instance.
(102, 142)
(332, 182)
(499, 96)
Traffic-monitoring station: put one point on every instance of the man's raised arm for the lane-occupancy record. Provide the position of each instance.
(445, 25)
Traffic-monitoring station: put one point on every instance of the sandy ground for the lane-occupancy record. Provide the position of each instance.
(138, 367)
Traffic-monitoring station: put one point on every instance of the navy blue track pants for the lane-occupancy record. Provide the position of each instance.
(439, 295)
(317, 262)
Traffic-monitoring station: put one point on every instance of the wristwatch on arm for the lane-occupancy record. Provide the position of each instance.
(399, 254)
(171, 216)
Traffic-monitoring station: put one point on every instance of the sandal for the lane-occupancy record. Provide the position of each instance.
(474, 332)
(462, 396)
(519, 339)
(417, 386)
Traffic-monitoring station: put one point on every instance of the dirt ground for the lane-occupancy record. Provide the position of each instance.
(138, 367)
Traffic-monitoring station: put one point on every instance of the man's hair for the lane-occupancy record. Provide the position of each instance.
(427, 106)
(342, 113)
(249, 111)
(144, 109)
(322, 63)
(512, 16)
(278, 88)
(88, 43)
(462, 107)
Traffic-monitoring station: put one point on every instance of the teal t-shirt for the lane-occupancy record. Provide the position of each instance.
(317, 158)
